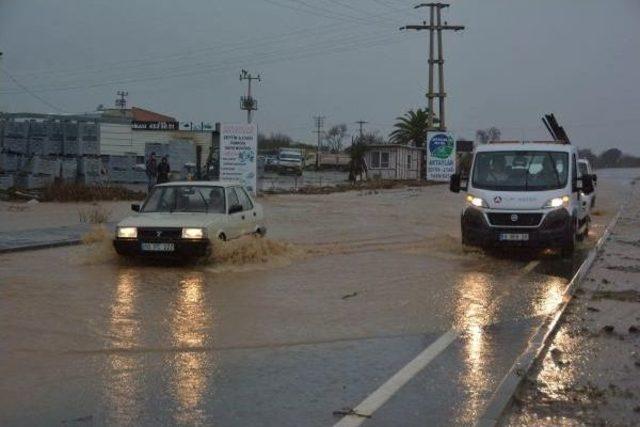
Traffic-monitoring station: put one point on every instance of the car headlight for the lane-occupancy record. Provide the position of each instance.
(193, 233)
(127, 232)
(556, 202)
(476, 201)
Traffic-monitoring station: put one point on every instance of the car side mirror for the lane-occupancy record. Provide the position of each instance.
(135, 207)
(587, 184)
(594, 177)
(454, 183)
(235, 208)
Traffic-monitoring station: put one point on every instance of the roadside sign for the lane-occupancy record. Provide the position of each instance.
(238, 153)
(441, 156)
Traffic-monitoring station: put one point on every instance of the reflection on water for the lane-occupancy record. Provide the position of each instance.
(122, 384)
(190, 371)
(551, 296)
(475, 309)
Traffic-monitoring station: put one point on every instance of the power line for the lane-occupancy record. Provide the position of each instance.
(325, 48)
(27, 90)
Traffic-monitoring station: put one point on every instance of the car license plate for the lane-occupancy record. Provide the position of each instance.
(158, 247)
(514, 237)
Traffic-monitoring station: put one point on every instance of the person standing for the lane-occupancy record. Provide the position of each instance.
(163, 170)
(152, 171)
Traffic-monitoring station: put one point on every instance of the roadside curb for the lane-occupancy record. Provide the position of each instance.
(502, 398)
(40, 246)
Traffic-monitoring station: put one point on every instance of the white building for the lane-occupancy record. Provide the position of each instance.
(392, 161)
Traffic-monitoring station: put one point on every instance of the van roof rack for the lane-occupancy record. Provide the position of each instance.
(528, 142)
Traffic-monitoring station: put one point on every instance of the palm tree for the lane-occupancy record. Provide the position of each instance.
(412, 128)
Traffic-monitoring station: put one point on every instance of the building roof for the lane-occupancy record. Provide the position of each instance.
(394, 146)
(142, 115)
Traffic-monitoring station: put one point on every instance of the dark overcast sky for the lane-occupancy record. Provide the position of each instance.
(345, 59)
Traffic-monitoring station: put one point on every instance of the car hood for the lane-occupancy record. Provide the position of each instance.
(169, 220)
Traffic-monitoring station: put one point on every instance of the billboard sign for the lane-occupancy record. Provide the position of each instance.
(238, 154)
(441, 156)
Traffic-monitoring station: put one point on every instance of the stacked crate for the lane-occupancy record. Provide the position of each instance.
(53, 143)
(88, 137)
(89, 170)
(15, 138)
(70, 141)
(121, 168)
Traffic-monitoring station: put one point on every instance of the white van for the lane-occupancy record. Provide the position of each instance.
(524, 194)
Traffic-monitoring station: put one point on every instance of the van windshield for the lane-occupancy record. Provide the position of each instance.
(521, 170)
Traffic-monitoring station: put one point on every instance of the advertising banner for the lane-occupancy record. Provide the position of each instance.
(238, 154)
(441, 156)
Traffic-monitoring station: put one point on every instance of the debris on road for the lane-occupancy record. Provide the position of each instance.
(350, 295)
(349, 411)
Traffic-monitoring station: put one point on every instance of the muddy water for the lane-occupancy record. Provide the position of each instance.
(268, 327)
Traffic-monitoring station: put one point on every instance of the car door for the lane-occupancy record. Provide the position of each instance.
(235, 220)
(249, 210)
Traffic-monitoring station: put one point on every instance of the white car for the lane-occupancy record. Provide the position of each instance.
(181, 219)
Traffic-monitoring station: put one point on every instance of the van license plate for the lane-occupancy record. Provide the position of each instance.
(158, 247)
(514, 237)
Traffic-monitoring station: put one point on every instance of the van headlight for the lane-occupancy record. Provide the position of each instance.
(476, 201)
(193, 233)
(127, 232)
(556, 202)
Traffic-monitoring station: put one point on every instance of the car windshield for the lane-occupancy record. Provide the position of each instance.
(187, 198)
(521, 170)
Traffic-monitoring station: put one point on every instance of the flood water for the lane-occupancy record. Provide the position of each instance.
(347, 289)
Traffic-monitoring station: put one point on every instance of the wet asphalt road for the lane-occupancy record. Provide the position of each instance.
(277, 334)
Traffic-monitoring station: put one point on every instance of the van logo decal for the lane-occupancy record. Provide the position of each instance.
(497, 199)
(514, 218)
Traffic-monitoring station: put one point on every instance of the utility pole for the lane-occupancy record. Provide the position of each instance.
(361, 123)
(248, 103)
(0, 77)
(319, 125)
(121, 101)
(435, 28)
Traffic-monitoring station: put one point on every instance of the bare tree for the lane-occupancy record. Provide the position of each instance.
(371, 138)
(484, 136)
(335, 136)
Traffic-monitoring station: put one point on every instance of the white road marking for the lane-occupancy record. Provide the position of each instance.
(379, 397)
(529, 267)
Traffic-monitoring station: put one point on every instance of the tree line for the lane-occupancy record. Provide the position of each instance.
(611, 158)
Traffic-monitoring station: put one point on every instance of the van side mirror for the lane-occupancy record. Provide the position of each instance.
(235, 209)
(135, 207)
(454, 183)
(587, 184)
(594, 177)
